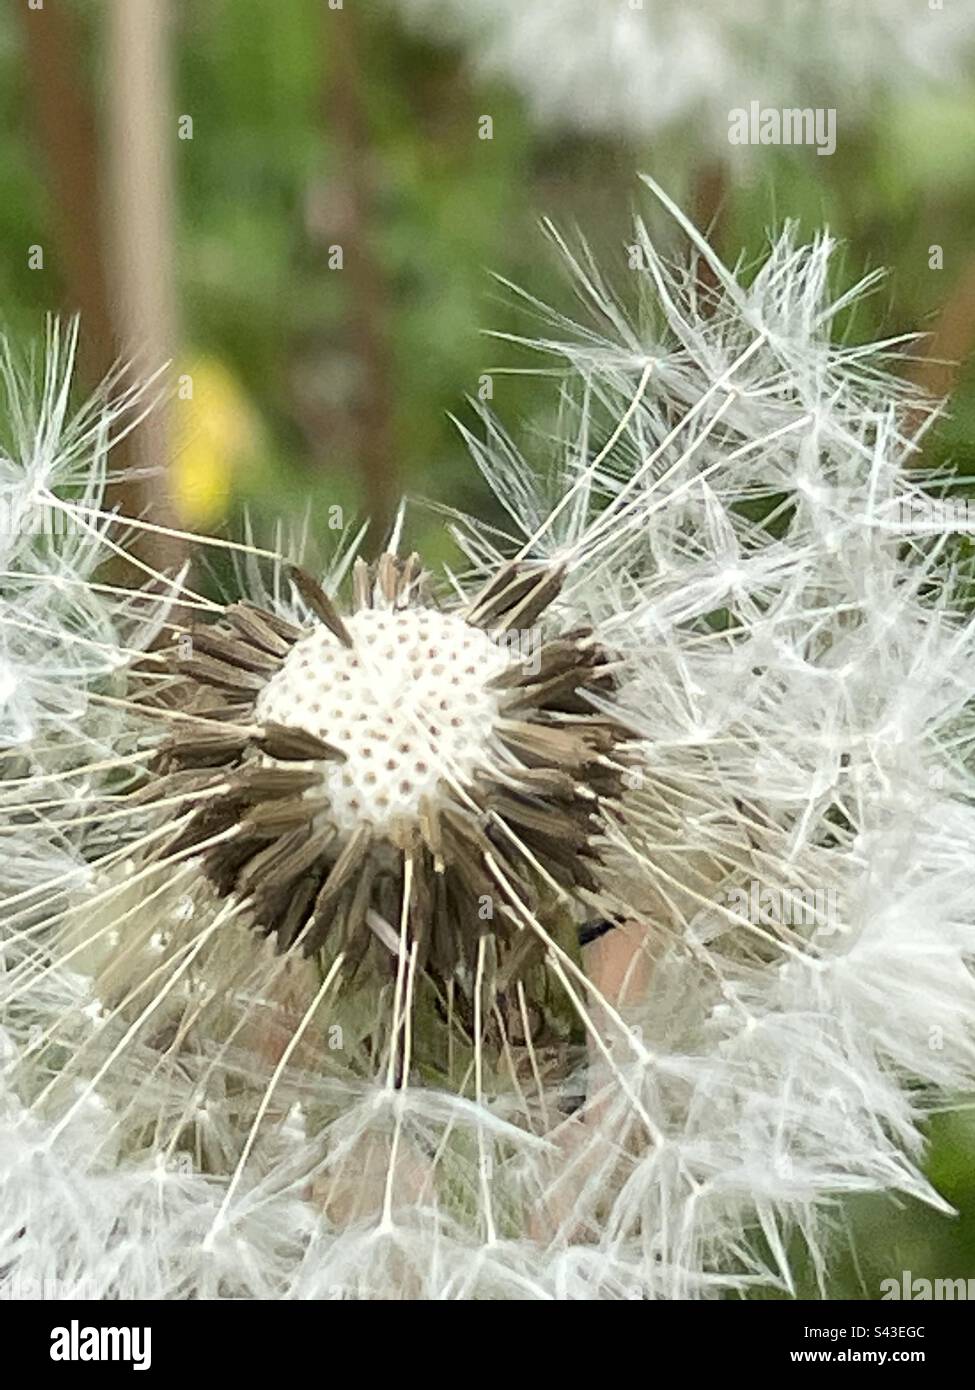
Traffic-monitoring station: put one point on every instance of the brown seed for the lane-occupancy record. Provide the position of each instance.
(352, 860)
(221, 674)
(516, 596)
(291, 744)
(258, 630)
(387, 577)
(503, 589)
(292, 922)
(541, 745)
(202, 747)
(295, 854)
(529, 609)
(547, 819)
(320, 603)
(232, 650)
(554, 692)
(255, 872)
(269, 818)
(267, 783)
(361, 585)
(288, 632)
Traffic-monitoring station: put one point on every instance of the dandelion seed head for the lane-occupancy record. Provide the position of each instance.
(733, 705)
(398, 752)
(681, 65)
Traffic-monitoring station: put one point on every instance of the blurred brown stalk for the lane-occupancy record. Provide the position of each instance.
(112, 219)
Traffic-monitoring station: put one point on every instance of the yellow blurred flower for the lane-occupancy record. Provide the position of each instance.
(214, 430)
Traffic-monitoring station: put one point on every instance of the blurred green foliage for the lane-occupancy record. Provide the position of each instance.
(262, 187)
